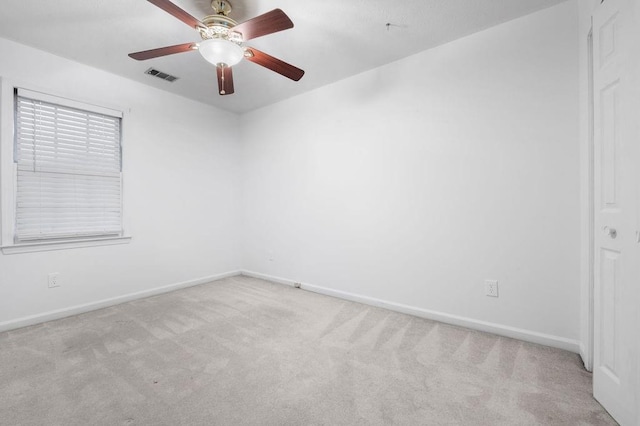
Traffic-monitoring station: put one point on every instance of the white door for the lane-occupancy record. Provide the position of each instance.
(616, 280)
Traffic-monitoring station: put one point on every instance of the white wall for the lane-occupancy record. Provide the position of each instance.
(414, 182)
(181, 185)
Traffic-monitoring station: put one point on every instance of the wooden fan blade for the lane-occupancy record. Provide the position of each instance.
(270, 22)
(225, 80)
(177, 12)
(274, 64)
(162, 51)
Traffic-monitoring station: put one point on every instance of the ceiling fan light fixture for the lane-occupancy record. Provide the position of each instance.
(220, 51)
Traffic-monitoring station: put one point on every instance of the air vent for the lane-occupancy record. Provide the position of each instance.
(162, 75)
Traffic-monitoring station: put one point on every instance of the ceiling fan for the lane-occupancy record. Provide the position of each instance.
(222, 41)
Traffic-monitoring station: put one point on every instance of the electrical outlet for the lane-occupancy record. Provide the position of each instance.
(54, 279)
(491, 288)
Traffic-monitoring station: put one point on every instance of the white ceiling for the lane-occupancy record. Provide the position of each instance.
(331, 39)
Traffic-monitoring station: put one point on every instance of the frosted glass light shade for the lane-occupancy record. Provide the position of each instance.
(221, 51)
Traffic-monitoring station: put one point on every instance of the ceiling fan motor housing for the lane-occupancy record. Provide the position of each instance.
(219, 26)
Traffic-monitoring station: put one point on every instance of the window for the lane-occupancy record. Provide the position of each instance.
(67, 171)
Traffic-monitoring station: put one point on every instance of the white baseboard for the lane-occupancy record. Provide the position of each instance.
(92, 306)
(269, 278)
(503, 330)
(489, 327)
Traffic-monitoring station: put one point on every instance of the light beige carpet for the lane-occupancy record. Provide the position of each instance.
(245, 351)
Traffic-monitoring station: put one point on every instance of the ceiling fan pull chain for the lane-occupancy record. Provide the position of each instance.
(222, 91)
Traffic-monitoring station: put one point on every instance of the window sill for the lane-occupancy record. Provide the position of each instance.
(63, 245)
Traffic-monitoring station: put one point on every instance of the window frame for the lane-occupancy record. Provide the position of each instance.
(8, 174)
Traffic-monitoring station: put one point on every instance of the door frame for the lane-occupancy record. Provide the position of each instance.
(587, 183)
(588, 352)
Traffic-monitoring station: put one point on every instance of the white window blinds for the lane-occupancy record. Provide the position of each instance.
(68, 170)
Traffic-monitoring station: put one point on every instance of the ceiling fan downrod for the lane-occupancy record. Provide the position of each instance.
(221, 7)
